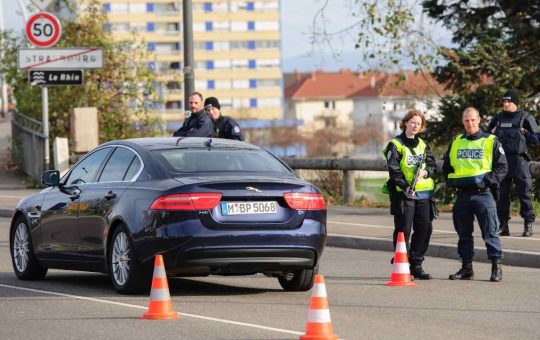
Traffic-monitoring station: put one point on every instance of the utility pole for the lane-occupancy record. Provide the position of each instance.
(189, 74)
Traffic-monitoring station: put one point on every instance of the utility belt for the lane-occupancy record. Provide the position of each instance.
(473, 190)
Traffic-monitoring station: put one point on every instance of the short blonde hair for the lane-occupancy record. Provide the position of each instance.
(471, 109)
(409, 116)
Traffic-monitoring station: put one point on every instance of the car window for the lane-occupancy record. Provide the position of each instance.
(117, 165)
(220, 160)
(86, 170)
(133, 169)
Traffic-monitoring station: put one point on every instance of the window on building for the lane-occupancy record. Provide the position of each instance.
(252, 64)
(239, 64)
(267, 5)
(251, 25)
(224, 64)
(251, 45)
(269, 102)
(250, 5)
(266, 26)
(211, 84)
(136, 27)
(150, 27)
(209, 45)
(198, 27)
(266, 44)
(253, 83)
(135, 7)
(209, 64)
(268, 82)
(222, 26)
(120, 28)
(253, 102)
(119, 7)
(151, 46)
(221, 46)
(173, 104)
(200, 84)
(330, 104)
(208, 26)
(267, 63)
(238, 26)
(150, 7)
(240, 84)
(208, 7)
(223, 85)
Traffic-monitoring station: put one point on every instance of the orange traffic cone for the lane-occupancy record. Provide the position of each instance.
(160, 306)
(319, 325)
(401, 274)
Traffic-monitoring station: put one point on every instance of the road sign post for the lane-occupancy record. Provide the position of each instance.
(43, 30)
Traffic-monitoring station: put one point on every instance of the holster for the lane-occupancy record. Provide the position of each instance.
(434, 211)
(397, 203)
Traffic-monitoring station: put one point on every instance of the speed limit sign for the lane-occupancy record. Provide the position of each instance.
(43, 29)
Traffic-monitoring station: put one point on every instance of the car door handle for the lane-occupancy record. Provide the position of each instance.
(110, 195)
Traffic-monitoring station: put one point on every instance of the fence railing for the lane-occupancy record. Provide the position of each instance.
(350, 165)
(28, 144)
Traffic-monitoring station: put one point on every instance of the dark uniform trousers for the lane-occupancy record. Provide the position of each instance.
(479, 203)
(520, 174)
(416, 215)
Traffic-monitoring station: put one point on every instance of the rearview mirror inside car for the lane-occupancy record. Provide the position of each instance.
(50, 178)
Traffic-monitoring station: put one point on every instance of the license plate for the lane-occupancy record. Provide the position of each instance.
(246, 208)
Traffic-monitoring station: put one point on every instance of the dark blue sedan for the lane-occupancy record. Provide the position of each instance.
(210, 206)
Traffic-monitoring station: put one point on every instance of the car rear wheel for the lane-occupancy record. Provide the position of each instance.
(24, 261)
(128, 275)
(298, 280)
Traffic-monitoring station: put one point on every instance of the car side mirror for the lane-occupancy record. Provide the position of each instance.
(50, 178)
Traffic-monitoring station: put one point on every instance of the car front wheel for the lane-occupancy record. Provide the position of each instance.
(298, 280)
(128, 275)
(24, 261)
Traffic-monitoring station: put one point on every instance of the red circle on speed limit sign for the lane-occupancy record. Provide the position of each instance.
(43, 29)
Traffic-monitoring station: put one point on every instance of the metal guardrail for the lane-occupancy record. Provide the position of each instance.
(349, 165)
(28, 144)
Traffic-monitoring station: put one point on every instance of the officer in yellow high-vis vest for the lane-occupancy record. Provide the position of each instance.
(412, 207)
(474, 164)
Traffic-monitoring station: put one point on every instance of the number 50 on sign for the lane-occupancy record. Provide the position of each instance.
(43, 29)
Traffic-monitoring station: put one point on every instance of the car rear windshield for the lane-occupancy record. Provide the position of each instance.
(220, 160)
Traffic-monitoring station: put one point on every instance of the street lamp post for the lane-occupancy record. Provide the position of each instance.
(189, 74)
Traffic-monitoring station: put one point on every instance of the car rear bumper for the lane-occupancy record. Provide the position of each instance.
(190, 248)
(239, 261)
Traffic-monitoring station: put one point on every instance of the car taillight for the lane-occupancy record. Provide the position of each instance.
(191, 201)
(304, 201)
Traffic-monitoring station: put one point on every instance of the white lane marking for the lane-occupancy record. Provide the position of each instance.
(434, 230)
(382, 226)
(143, 307)
(10, 196)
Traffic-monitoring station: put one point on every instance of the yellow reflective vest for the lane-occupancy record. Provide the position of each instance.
(410, 158)
(471, 160)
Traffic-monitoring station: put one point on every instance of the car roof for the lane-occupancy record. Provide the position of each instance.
(160, 143)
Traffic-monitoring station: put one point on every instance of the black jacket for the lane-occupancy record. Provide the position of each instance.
(499, 166)
(226, 127)
(508, 130)
(197, 125)
(394, 159)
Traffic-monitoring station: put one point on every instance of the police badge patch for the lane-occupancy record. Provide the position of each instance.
(501, 150)
(236, 129)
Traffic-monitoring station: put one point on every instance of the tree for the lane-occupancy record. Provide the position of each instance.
(124, 90)
(497, 47)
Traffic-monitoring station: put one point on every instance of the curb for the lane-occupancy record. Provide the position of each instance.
(6, 212)
(511, 257)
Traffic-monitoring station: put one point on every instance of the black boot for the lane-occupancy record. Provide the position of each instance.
(496, 270)
(527, 229)
(418, 273)
(503, 229)
(465, 273)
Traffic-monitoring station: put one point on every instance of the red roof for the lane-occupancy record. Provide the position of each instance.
(347, 84)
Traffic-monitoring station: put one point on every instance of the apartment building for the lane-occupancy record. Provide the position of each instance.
(237, 51)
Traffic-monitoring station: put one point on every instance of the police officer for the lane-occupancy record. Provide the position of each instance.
(474, 164)
(198, 124)
(412, 207)
(514, 128)
(224, 126)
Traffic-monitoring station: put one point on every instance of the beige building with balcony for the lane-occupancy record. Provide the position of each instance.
(237, 51)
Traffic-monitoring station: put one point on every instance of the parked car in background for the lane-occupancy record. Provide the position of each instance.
(210, 206)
